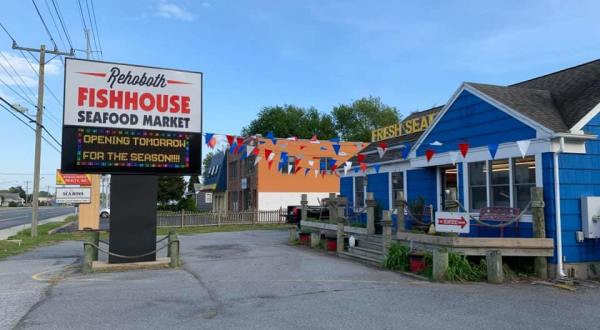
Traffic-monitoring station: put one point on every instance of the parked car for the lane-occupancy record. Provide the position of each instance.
(105, 213)
(312, 212)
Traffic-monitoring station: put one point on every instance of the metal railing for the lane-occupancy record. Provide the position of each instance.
(197, 219)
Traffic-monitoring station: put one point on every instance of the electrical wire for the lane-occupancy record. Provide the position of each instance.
(32, 94)
(91, 24)
(30, 120)
(44, 23)
(62, 22)
(55, 25)
(24, 96)
(96, 29)
(26, 124)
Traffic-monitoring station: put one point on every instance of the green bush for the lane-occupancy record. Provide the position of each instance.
(397, 258)
(12, 204)
(461, 269)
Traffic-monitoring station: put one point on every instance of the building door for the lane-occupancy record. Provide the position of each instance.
(449, 188)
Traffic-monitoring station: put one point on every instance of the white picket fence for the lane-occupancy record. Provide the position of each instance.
(195, 219)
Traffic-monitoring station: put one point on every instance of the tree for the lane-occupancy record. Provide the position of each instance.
(290, 120)
(193, 179)
(17, 190)
(355, 122)
(170, 188)
(206, 164)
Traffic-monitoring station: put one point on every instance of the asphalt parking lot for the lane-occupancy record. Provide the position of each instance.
(254, 280)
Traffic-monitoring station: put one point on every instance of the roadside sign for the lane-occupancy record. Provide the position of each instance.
(84, 180)
(73, 195)
(131, 119)
(452, 222)
(208, 198)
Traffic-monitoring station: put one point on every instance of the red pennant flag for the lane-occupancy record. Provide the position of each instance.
(302, 147)
(256, 151)
(361, 158)
(333, 168)
(383, 145)
(297, 162)
(240, 141)
(429, 153)
(298, 168)
(270, 164)
(363, 167)
(323, 173)
(267, 153)
(464, 148)
(212, 142)
(229, 139)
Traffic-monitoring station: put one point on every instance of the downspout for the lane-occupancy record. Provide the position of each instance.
(559, 252)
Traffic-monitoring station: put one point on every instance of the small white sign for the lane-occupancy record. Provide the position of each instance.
(244, 183)
(68, 195)
(208, 198)
(452, 222)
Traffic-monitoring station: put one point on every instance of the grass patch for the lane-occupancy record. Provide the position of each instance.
(397, 258)
(461, 269)
(29, 243)
(215, 229)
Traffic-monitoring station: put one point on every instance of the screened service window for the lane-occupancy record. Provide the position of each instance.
(397, 184)
(288, 169)
(477, 185)
(500, 184)
(524, 180)
(324, 163)
(359, 191)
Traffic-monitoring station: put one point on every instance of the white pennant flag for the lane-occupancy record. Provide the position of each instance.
(249, 150)
(300, 156)
(316, 173)
(523, 147)
(290, 168)
(347, 167)
(311, 163)
(453, 156)
(349, 163)
(271, 156)
(342, 154)
(256, 160)
(380, 151)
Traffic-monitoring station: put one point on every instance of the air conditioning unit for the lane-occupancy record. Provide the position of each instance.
(590, 216)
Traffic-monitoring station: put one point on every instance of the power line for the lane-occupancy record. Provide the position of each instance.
(44, 23)
(9, 35)
(31, 128)
(91, 24)
(62, 22)
(54, 23)
(17, 74)
(96, 28)
(17, 93)
(30, 120)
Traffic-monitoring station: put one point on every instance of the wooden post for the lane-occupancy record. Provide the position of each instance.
(96, 241)
(293, 234)
(371, 203)
(88, 255)
(386, 223)
(332, 206)
(340, 235)
(495, 273)
(399, 205)
(440, 265)
(315, 239)
(304, 207)
(539, 228)
(173, 249)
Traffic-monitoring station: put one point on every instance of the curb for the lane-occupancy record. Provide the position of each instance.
(8, 232)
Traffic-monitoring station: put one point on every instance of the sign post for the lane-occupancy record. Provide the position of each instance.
(135, 123)
(452, 222)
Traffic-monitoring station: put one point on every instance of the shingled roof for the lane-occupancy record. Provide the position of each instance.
(557, 100)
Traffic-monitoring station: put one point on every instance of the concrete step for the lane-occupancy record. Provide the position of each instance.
(365, 252)
(359, 258)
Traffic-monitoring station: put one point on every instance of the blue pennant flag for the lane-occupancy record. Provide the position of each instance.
(280, 166)
(356, 169)
(377, 167)
(493, 148)
(306, 171)
(332, 163)
(405, 150)
(335, 140)
(232, 148)
(261, 142)
(322, 165)
(271, 137)
(209, 137)
(284, 157)
(336, 148)
(324, 148)
(242, 150)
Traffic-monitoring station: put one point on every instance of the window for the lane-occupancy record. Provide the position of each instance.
(359, 191)
(233, 167)
(324, 163)
(524, 180)
(249, 167)
(477, 185)
(397, 184)
(500, 184)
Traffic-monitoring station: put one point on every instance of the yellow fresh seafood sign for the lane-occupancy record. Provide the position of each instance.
(408, 126)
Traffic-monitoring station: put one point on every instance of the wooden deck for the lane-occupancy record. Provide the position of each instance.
(477, 246)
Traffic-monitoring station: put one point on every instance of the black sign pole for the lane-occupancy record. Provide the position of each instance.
(133, 217)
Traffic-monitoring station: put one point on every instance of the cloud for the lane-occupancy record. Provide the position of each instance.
(23, 69)
(173, 11)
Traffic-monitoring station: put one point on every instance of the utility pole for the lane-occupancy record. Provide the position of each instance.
(38, 127)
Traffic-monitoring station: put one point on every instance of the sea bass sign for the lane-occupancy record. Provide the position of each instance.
(121, 118)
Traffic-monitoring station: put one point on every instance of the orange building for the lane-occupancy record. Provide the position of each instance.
(297, 167)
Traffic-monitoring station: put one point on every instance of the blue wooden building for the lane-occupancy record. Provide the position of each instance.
(542, 132)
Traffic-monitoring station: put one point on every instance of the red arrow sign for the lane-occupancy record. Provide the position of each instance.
(453, 222)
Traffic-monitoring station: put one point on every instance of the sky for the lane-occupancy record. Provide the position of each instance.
(320, 53)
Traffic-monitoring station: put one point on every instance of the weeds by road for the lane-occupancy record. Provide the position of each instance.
(215, 229)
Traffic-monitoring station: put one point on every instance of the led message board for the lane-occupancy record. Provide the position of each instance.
(131, 119)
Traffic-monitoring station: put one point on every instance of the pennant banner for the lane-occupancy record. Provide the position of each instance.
(429, 154)
(453, 156)
(405, 151)
(464, 148)
(493, 148)
(523, 147)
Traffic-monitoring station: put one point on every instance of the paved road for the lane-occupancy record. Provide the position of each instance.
(15, 216)
(254, 280)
